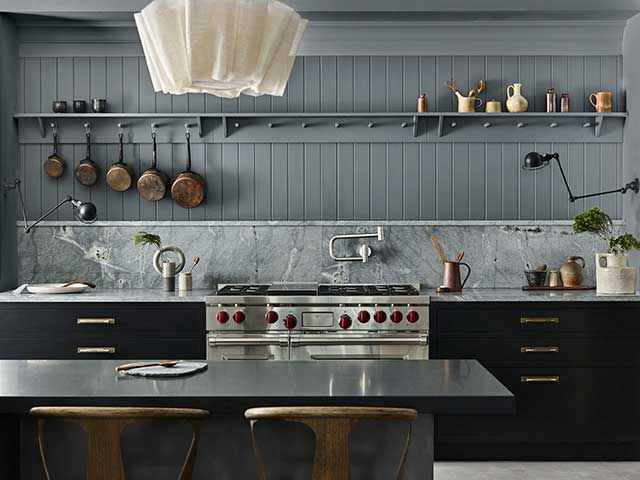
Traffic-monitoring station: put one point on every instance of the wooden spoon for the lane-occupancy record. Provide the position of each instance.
(460, 256)
(132, 366)
(79, 282)
(443, 257)
(196, 260)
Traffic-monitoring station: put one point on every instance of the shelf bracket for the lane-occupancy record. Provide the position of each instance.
(416, 125)
(42, 127)
(225, 126)
(200, 131)
(598, 127)
(440, 125)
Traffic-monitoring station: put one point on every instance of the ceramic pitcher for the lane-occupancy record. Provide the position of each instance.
(571, 272)
(516, 103)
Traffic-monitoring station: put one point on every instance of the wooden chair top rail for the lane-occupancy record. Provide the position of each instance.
(119, 412)
(356, 413)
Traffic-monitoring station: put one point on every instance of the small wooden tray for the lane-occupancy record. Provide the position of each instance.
(561, 288)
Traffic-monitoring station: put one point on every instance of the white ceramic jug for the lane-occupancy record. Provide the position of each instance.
(516, 103)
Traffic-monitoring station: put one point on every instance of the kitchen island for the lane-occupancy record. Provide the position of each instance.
(227, 389)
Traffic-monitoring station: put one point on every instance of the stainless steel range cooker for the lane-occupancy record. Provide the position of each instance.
(286, 321)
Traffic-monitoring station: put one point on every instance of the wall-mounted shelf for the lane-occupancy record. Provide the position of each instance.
(243, 127)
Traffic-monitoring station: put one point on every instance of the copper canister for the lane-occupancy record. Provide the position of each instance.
(422, 103)
(564, 102)
(551, 100)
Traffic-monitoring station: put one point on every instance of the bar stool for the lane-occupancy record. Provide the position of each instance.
(332, 427)
(104, 425)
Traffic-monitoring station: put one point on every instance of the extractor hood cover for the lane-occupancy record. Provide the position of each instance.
(220, 47)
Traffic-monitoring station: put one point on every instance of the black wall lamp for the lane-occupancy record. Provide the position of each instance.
(85, 212)
(536, 161)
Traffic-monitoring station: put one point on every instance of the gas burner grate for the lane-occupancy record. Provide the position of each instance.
(367, 290)
(243, 290)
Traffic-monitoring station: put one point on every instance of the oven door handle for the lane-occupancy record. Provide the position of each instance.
(241, 341)
(324, 339)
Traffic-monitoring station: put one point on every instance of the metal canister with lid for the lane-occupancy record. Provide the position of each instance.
(551, 100)
(422, 103)
(564, 102)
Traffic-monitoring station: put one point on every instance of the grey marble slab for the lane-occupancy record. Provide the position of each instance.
(107, 256)
(430, 386)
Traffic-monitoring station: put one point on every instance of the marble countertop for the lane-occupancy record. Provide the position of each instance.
(430, 386)
(519, 295)
(468, 295)
(109, 295)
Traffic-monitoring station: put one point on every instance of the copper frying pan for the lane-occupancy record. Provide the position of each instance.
(153, 183)
(189, 188)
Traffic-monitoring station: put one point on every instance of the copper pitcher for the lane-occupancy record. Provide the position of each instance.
(451, 276)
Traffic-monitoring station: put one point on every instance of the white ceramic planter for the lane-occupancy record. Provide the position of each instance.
(614, 276)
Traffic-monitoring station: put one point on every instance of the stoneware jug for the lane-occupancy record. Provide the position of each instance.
(571, 272)
(516, 103)
(614, 276)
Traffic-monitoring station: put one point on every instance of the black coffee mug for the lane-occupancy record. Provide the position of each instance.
(79, 106)
(98, 105)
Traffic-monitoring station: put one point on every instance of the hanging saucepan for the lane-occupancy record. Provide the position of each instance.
(87, 171)
(54, 165)
(188, 188)
(153, 183)
(120, 175)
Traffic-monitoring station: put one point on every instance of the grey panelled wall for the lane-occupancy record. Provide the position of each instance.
(295, 181)
(8, 164)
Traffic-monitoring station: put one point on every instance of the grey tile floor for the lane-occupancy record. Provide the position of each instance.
(537, 470)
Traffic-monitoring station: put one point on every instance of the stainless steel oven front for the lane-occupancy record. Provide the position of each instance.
(247, 346)
(360, 346)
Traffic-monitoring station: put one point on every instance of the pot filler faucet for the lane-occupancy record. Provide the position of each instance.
(364, 251)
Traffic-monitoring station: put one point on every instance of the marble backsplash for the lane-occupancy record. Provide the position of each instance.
(296, 252)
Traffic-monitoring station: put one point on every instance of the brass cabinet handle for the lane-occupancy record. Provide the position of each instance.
(96, 350)
(96, 321)
(539, 349)
(540, 379)
(539, 319)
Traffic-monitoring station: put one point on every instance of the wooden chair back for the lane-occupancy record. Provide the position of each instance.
(332, 427)
(104, 425)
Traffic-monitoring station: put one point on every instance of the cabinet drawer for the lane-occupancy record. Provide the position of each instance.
(109, 347)
(557, 349)
(536, 319)
(557, 405)
(167, 320)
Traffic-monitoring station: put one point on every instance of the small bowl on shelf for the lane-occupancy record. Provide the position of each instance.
(79, 106)
(98, 105)
(536, 278)
(59, 106)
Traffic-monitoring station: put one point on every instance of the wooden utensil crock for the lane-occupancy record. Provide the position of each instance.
(120, 175)
(153, 183)
(188, 189)
(54, 164)
(87, 172)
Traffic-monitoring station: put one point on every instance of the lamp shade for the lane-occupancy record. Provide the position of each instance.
(220, 47)
(534, 161)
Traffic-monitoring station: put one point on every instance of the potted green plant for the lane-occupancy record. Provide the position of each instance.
(613, 274)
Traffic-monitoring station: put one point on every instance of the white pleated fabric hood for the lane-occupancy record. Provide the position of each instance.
(220, 47)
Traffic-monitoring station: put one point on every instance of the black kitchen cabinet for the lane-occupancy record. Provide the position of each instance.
(575, 371)
(102, 330)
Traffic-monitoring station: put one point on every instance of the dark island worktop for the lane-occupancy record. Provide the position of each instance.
(431, 386)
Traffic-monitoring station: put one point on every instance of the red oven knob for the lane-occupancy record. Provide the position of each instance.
(271, 317)
(413, 316)
(222, 317)
(290, 322)
(396, 316)
(379, 316)
(344, 322)
(363, 316)
(238, 317)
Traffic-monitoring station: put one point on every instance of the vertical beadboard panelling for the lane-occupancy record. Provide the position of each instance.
(336, 181)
